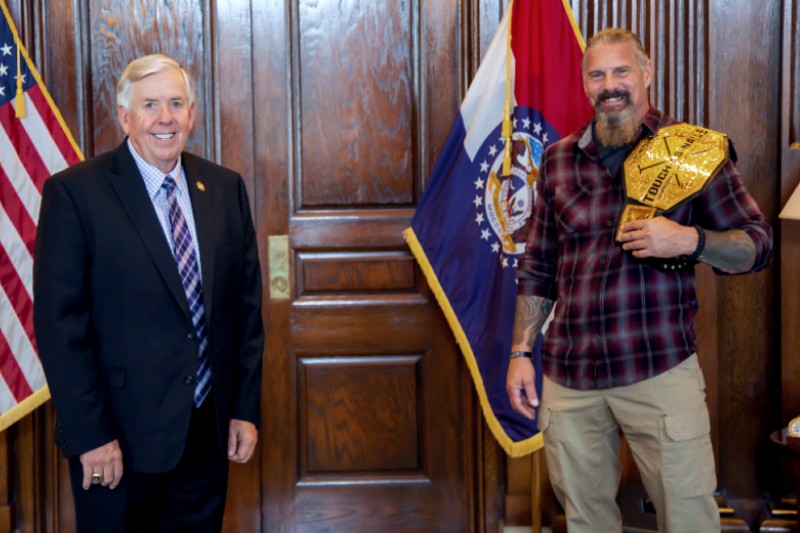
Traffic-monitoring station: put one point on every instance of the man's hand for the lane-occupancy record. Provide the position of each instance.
(520, 377)
(242, 439)
(102, 466)
(658, 237)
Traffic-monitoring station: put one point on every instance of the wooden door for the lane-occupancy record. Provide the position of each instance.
(364, 425)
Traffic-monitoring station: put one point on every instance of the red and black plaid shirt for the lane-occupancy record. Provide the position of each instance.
(618, 319)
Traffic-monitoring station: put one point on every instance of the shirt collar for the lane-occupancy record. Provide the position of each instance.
(152, 176)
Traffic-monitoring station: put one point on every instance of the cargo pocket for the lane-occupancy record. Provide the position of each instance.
(687, 459)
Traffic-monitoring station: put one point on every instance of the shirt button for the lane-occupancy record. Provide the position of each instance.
(609, 223)
(597, 338)
(602, 261)
(188, 380)
(190, 336)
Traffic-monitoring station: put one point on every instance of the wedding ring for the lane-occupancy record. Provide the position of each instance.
(97, 478)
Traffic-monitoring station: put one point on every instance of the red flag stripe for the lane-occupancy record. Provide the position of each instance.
(11, 372)
(12, 375)
(41, 158)
(28, 163)
(18, 294)
(10, 369)
(17, 214)
(51, 120)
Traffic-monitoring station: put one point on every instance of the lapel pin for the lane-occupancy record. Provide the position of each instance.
(201, 186)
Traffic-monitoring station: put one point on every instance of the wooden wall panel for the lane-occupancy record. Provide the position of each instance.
(121, 32)
(356, 102)
(675, 34)
(744, 67)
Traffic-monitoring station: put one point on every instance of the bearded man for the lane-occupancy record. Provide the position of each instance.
(620, 353)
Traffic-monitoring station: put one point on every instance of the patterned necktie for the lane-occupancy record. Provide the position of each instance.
(192, 286)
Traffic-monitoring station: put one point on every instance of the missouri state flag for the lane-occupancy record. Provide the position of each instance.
(34, 143)
(471, 224)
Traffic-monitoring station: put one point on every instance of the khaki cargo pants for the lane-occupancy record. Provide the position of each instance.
(665, 420)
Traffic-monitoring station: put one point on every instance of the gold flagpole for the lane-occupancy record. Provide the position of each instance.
(19, 100)
(508, 131)
(507, 123)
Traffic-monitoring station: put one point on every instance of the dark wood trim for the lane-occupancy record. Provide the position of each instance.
(6, 503)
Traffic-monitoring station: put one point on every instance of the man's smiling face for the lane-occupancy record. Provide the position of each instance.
(160, 118)
(616, 82)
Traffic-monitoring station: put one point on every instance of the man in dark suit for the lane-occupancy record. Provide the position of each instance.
(147, 315)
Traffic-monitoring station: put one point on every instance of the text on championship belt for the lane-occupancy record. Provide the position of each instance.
(669, 168)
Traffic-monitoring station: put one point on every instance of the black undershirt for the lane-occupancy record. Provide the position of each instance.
(612, 158)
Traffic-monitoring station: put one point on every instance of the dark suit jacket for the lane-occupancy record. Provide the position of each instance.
(111, 319)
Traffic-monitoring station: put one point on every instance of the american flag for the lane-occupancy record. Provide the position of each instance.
(34, 143)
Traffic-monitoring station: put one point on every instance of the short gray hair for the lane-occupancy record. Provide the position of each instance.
(617, 36)
(145, 66)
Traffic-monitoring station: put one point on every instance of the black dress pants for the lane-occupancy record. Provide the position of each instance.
(188, 498)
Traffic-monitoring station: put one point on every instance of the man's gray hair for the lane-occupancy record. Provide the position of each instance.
(617, 36)
(145, 66)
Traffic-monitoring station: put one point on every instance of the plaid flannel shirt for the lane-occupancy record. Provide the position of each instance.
(618, 319)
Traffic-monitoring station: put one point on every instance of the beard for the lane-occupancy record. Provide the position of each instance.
(615, 128)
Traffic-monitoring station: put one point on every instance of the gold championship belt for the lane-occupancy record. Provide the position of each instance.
(669, 168)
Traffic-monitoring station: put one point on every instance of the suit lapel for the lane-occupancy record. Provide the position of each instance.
(127, 183)
(202, 195)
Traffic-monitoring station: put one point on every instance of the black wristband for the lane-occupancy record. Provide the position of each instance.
(514, 355)
(701, 244)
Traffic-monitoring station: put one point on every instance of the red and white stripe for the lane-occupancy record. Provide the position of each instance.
(31, 149)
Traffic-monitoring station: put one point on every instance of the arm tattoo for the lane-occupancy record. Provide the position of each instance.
(530, 316)
(731, 251)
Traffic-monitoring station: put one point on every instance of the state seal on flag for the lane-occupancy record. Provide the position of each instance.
(504, 204)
